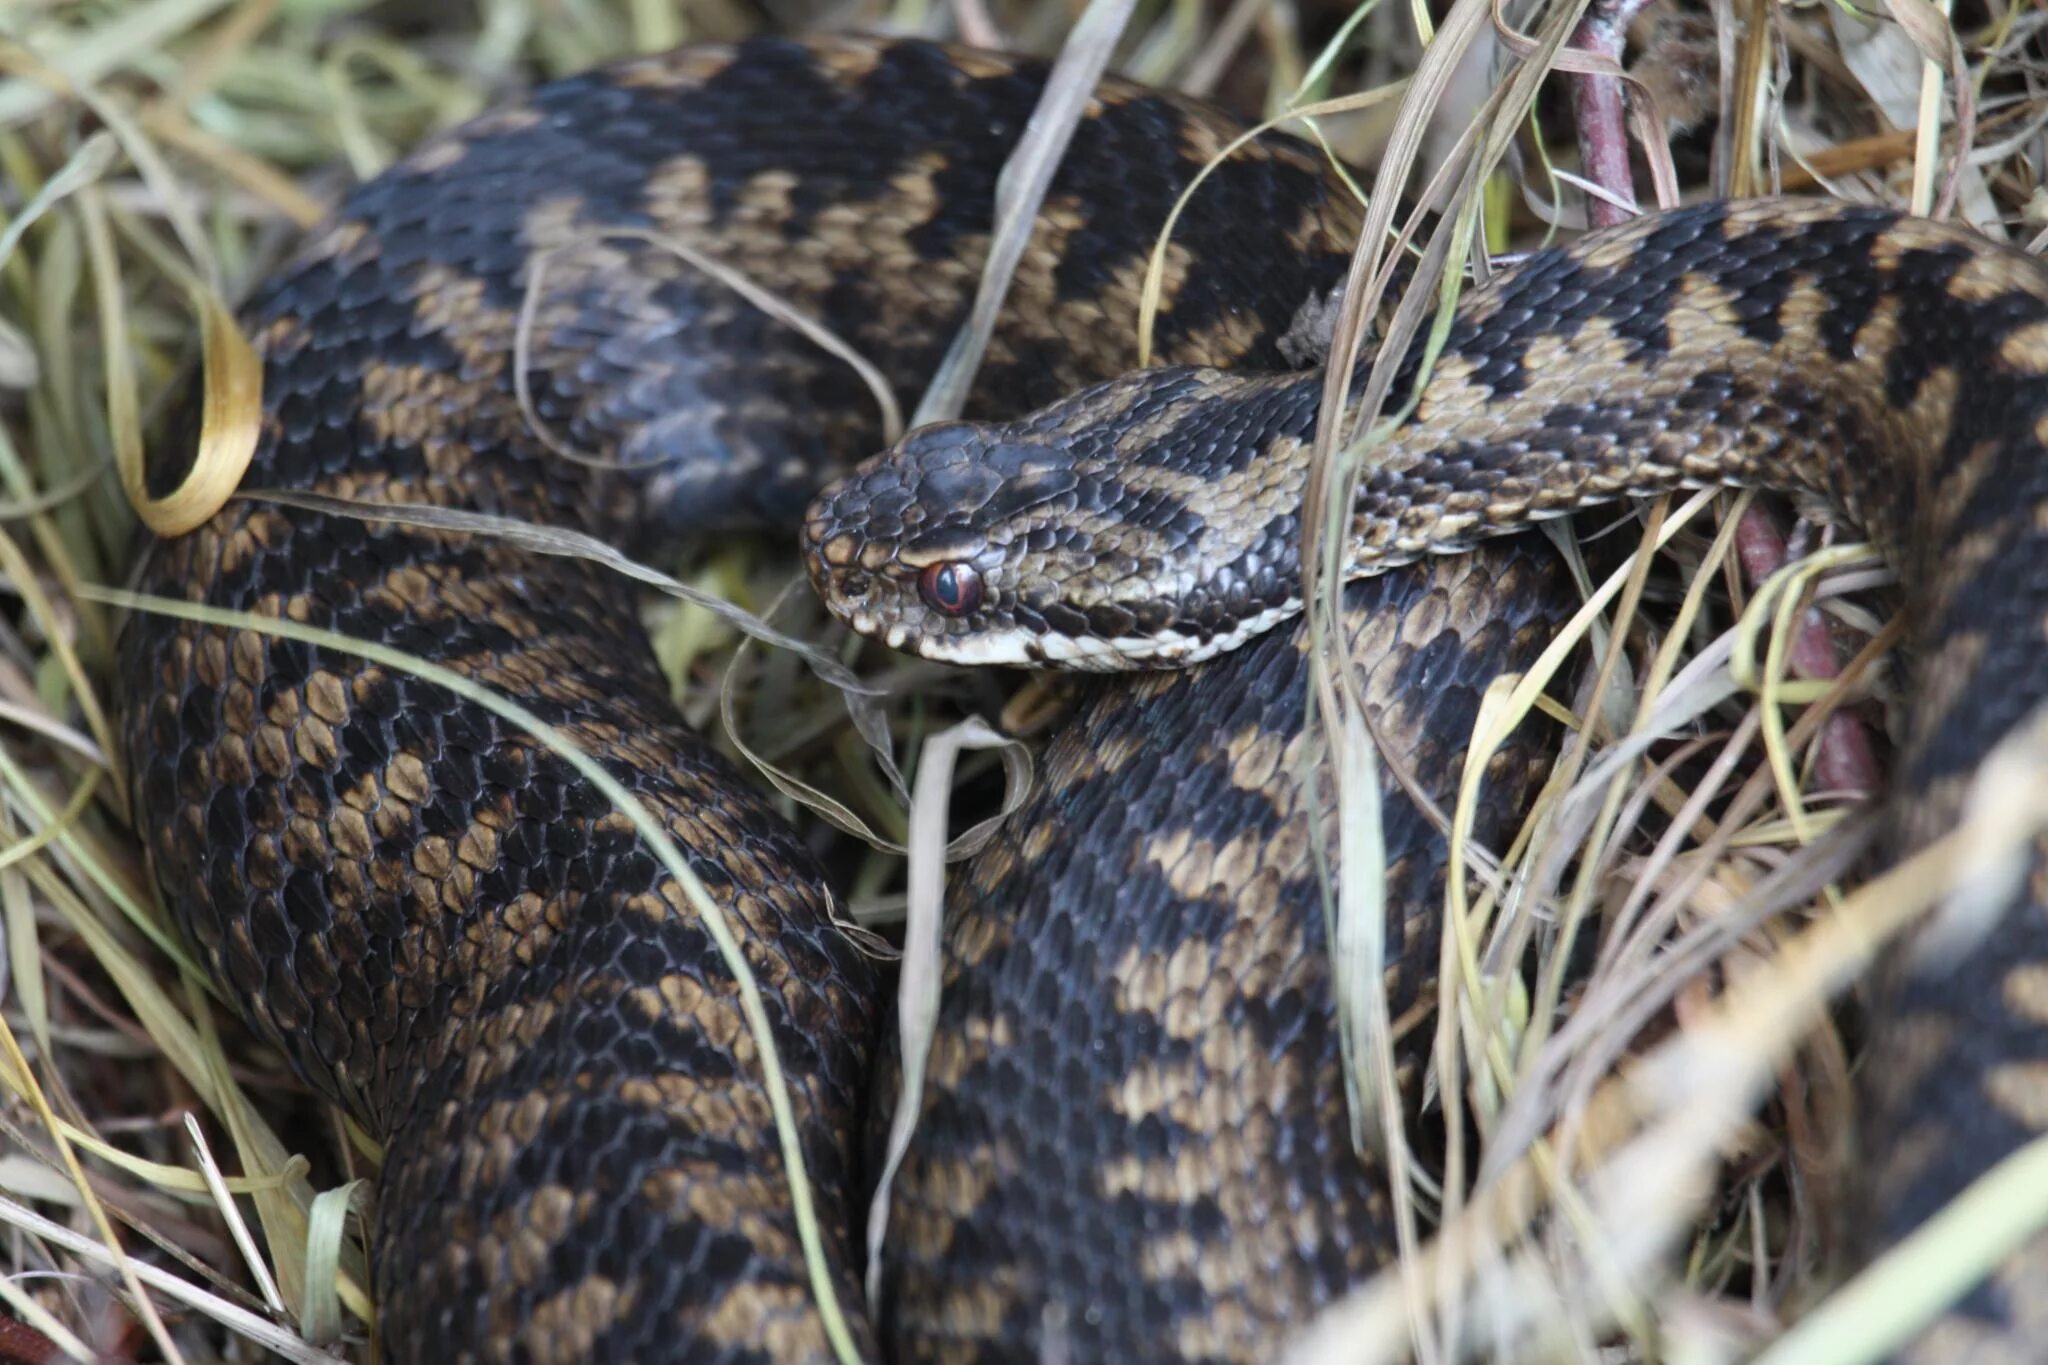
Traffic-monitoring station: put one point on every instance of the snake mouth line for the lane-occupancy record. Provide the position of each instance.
(1082, 654)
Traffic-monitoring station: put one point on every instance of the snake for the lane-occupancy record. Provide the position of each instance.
(1132, 1140)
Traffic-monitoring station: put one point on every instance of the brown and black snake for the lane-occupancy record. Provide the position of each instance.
(1133, 1143)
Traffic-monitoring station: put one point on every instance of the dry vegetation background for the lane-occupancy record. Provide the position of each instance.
(1635, 1202)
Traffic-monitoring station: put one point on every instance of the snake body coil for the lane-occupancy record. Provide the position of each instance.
(454, 936)
(1894, 366)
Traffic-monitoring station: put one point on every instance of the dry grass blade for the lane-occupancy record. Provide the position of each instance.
(1155, 266)
(230, 421)
(1325, 517)
(1780, 600)
(123, 1265)
(217, 1186)
(1357, 934)
(1903, 1290)
(780, 310)
(85, 166)
(1021, 188)
(1465, 989)
(862, 701)
(251, 1325)
(1927, 26)
(1658, 1126)
(572, 544)
(88, 55)
(917, 993)
(280, 1202)
(326, 1239)
(1017, 788)
(39, 1318)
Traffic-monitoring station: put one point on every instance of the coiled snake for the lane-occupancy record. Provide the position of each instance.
(1130, 1147)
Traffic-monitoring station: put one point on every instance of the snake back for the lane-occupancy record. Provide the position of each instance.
(1896, 367)
(442, 926)
(454, 937)
(1135, 1141)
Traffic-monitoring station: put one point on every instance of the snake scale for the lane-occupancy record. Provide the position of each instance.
(1132, 1143)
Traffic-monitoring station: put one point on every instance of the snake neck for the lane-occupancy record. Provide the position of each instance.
(1155, 520)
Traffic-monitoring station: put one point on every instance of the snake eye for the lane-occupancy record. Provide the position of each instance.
(950, 589)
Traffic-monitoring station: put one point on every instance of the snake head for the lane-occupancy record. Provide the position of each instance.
(1041, 543)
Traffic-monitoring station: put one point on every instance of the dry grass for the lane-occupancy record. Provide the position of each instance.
(156, 156)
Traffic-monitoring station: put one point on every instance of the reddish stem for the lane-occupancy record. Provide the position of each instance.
(1843, 759)
(21, 1344)
(1602, 115)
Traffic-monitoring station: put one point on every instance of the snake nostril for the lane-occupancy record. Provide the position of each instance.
(854, 586)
